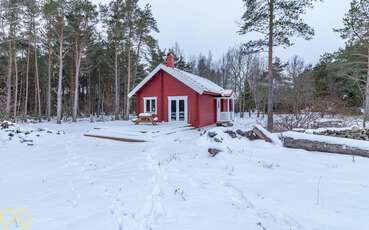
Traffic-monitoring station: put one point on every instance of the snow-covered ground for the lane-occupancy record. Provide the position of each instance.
(69, 181)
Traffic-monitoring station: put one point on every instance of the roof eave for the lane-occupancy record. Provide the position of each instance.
(211, 93)
(145, 80)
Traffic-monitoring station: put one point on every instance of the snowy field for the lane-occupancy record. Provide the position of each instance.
(69, 181)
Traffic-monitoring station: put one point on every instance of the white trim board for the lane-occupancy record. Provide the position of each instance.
(145, 99)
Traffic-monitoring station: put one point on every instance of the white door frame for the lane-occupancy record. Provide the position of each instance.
(218, 108)
(177, 98)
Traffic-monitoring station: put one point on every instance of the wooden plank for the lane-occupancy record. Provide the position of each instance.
(123, 139)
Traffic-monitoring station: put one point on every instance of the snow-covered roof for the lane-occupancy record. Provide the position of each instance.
(227, 92)
(197, 83)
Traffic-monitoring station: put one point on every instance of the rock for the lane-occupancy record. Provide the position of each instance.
(227, 124)
(213, 152)
(4, 125)
(212, 134)
(23, 140)
(241, 133)
(231, 133)
(251, 135)
(218, 140)
(355, 128)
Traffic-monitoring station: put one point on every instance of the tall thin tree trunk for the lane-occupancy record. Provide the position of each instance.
(99, 93)
(15, 82)
(128, 84)
(60, 77)
(76, 83)
(366, 112)
(116, 98)
(102, 100)
(49, 82)
(37, 79)
(90, 110)
(9, 81)
(21, 86)
(27, 80)
(135, 70)
(270, 66)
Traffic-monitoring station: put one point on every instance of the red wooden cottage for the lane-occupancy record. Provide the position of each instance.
(174, 95)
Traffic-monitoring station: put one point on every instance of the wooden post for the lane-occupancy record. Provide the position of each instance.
(232, 108)
(218, 108)
(228, 110)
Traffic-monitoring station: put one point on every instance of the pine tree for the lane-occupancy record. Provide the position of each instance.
(277, 21)
(130, 19)
(49, 32)
(81, 19)
(356, 30)
(57, 9)
(112, 20)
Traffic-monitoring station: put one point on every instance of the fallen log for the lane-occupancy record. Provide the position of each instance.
(320, 146)
(261, 135)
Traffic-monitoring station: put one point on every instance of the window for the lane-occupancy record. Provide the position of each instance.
(150, 104)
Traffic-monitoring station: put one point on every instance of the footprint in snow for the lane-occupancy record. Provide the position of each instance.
(238, 198)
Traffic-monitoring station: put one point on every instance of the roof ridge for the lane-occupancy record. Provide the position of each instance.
(195, 82)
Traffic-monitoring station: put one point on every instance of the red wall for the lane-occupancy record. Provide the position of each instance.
(201, 108)
(207, 110)
(224, 105)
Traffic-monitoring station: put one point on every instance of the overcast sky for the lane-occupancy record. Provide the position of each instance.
(200, 26)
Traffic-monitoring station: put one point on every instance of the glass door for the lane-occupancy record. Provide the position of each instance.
(177, 109)
(181, 110)
(173, 110)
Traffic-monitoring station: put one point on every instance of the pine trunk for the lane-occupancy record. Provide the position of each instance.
(49, 82)
(128, 84)
(116, 98)
(99, 93)
(9, 81)
(366, 112)
(76, 84)
(37, 81)
(60, 77)
(270, 66)
(27, 80)
(139, 44)
(15, 83)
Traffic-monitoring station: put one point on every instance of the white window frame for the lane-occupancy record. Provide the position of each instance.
(145, 99)
(177, 98)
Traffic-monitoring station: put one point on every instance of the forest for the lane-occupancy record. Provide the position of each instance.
(69, 59)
